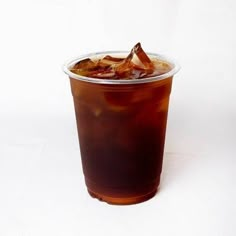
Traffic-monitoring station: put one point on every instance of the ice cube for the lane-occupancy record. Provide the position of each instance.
(136, 65)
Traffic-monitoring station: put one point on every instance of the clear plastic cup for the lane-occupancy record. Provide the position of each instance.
(121, 127)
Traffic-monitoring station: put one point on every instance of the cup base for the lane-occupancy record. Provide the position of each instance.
(123, 200)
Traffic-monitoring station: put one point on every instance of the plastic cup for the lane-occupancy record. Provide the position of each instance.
(121, 127)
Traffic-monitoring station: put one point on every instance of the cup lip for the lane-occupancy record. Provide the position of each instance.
(71, 62)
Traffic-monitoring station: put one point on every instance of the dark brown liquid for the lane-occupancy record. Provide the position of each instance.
(121, 133)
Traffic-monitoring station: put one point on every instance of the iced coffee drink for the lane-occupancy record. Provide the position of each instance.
(121, 106)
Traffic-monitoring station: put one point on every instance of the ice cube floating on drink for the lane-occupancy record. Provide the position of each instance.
(137, 65)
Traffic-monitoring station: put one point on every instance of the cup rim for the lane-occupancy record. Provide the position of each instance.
(71, 62)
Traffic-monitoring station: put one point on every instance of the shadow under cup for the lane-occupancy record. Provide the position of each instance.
(121, 127)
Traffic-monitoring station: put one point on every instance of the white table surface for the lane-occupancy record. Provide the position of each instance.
(42, 190)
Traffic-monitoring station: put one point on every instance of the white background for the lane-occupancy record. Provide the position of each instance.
(42, 190)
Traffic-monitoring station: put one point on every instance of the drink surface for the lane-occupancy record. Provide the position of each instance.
(137, 65)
